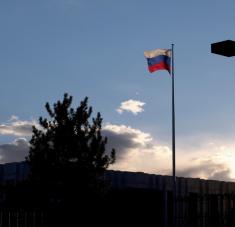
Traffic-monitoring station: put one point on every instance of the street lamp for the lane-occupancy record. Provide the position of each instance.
(225, 48)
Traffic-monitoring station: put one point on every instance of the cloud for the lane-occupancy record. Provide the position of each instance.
(210, 157)
(133, 106)
(17, 127)
(15, 151)
(136, 150)
(206, 169)
(124, 137)
(200, 156)
(207, 158)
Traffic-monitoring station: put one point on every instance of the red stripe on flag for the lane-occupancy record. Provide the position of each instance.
(159, 66)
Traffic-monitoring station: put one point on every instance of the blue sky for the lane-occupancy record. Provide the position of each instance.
(95, 49)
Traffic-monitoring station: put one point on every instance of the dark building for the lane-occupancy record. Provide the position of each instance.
(140, 196)
(200, 203)
(11, 173)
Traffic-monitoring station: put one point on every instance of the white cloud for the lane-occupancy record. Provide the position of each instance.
(17, 127)
(14, 118)
(200, 158)
(203, 156)
(208, 157)
(134, 135)
(133, 106)
(15, 151)
(136, 150)
(206, 169)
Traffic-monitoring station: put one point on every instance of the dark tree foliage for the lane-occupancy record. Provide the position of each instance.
(67, 154)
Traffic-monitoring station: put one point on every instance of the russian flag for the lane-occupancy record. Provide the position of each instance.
(159, 59)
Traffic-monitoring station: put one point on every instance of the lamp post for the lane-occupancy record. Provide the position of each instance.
(224, 48)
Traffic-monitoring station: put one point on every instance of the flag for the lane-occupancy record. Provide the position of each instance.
(159, 59)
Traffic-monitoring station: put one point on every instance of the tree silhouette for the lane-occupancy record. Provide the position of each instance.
(67, 154)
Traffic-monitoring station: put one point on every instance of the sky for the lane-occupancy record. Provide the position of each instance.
(95, 48)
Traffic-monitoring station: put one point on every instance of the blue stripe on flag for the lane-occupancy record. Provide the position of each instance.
(158, 59)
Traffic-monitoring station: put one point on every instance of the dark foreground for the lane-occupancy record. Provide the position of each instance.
(119, 207)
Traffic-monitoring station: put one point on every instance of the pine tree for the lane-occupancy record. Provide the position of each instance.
(67, 153)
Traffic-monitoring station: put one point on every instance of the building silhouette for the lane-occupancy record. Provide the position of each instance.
(149, 197)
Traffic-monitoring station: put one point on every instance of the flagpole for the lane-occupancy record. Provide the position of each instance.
(173, 136)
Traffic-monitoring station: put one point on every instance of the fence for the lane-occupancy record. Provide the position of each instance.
(14, 218)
